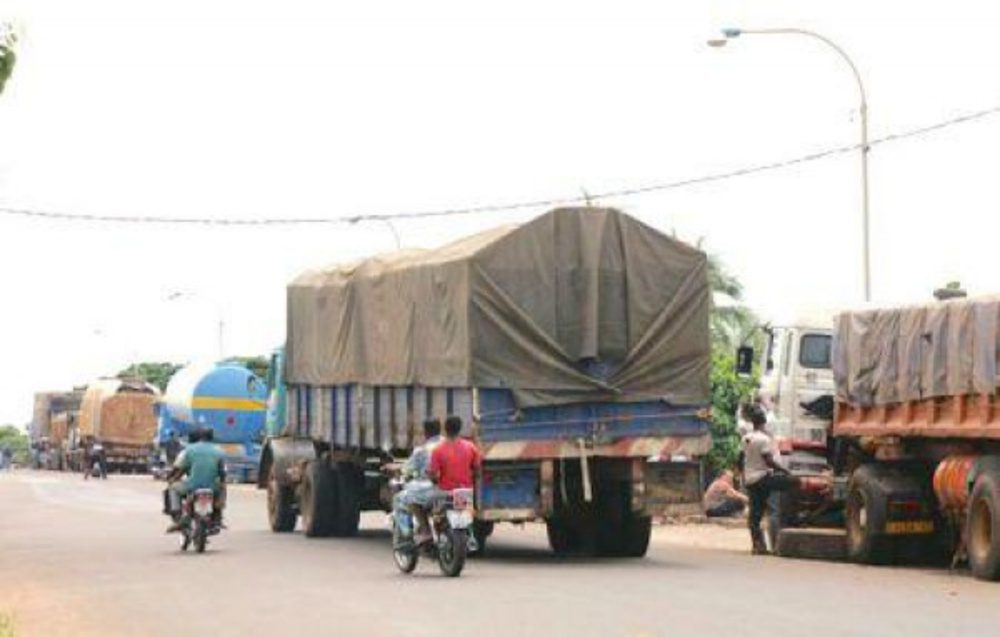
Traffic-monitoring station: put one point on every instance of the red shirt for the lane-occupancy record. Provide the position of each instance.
(452, 463)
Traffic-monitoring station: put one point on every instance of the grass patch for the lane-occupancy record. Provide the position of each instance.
(6, 625)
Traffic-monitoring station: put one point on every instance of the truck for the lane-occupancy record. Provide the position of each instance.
(909, 469)
(227, 398)
(53, 427)
(119, 413)
(574, 347)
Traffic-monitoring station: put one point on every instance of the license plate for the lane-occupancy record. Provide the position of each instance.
(909, 526)
(203, 507)
(459, 519)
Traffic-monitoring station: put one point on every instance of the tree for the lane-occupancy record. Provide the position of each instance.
(17, 441)
(8, 41)
(732, 322)
(731, 326)
(259, 365)
(157, 374)
(951, 290)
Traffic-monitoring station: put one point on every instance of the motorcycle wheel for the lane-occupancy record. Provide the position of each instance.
(406, 558)
(185, 539)
(451, 552)
(200, 536)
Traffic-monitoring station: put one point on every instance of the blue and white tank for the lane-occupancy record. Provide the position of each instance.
(225, 397)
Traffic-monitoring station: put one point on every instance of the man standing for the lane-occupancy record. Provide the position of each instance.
(761, 473)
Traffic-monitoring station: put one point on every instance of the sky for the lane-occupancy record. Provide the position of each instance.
(298, 109)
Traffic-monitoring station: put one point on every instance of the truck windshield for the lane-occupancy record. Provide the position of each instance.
(814, 351)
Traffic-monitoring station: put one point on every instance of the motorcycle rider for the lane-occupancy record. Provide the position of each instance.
(204, 467)
(419, 492)
(456, 461)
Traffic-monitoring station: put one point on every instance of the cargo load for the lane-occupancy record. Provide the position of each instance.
(571, 307)
(919, 370)
(120, 414)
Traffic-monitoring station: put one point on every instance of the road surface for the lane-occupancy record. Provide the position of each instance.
(91, 558)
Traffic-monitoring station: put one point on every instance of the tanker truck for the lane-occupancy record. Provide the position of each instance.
(575, 348)
(119, 413)
(909, 466)
(225, 397)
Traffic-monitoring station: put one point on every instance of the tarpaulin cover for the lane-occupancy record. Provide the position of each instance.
(885, 356)
(576, 305)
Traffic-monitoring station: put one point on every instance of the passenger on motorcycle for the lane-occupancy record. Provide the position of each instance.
(202, 462)
(419, 492)
(456, 461)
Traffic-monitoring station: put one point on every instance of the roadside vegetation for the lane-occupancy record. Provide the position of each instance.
(732, 325)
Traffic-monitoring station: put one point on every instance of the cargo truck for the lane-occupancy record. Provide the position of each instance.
(120, 414)
(574, 347)
(910, 469)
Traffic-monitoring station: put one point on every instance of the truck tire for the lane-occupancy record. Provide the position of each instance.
(635, 536)
(866, 517)
(564, 538)
(984, 527)
(350, 489)
(481, 530)
(280, 504)
(318, 499)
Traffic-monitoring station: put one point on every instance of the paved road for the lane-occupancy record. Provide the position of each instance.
(90, 558)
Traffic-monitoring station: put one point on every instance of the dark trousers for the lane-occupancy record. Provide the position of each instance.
(759, 493)
(727, 509)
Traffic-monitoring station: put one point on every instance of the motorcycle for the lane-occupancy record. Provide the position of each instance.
(198, 519)
(450, 521)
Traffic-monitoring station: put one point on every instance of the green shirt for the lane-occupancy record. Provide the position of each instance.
(201, 463)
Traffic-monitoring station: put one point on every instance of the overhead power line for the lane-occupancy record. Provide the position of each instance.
(501, 207)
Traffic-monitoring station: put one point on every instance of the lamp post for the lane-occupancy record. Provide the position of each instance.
(731, 34)
(386, 221)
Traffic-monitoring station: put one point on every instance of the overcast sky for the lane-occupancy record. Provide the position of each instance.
(292, 109)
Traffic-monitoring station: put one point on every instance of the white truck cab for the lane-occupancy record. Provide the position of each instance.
(796, 371)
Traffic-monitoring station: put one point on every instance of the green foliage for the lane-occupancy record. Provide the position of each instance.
(8, 38)
(17, 441)
(259, 365)
(731, 327)
(729, 390)
(157, 374)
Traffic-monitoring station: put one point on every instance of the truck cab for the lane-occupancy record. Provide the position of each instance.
(796, 389)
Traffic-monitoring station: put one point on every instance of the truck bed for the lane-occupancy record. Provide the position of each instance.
(962, 416)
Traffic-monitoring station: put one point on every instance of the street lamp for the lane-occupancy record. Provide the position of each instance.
(386, 221)
(731, 34)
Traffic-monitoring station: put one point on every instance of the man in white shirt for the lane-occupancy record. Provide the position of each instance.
(761, 473)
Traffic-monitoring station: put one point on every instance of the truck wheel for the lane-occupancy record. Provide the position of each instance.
(635, 535)
(482, 530)
(984, 527)
(280, 504)
(350, 486)
(563, 538)
(317, 499)
(866, 516)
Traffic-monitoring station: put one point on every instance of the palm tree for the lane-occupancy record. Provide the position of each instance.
(732, 323)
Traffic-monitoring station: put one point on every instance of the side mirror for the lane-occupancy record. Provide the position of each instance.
(744, 360)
